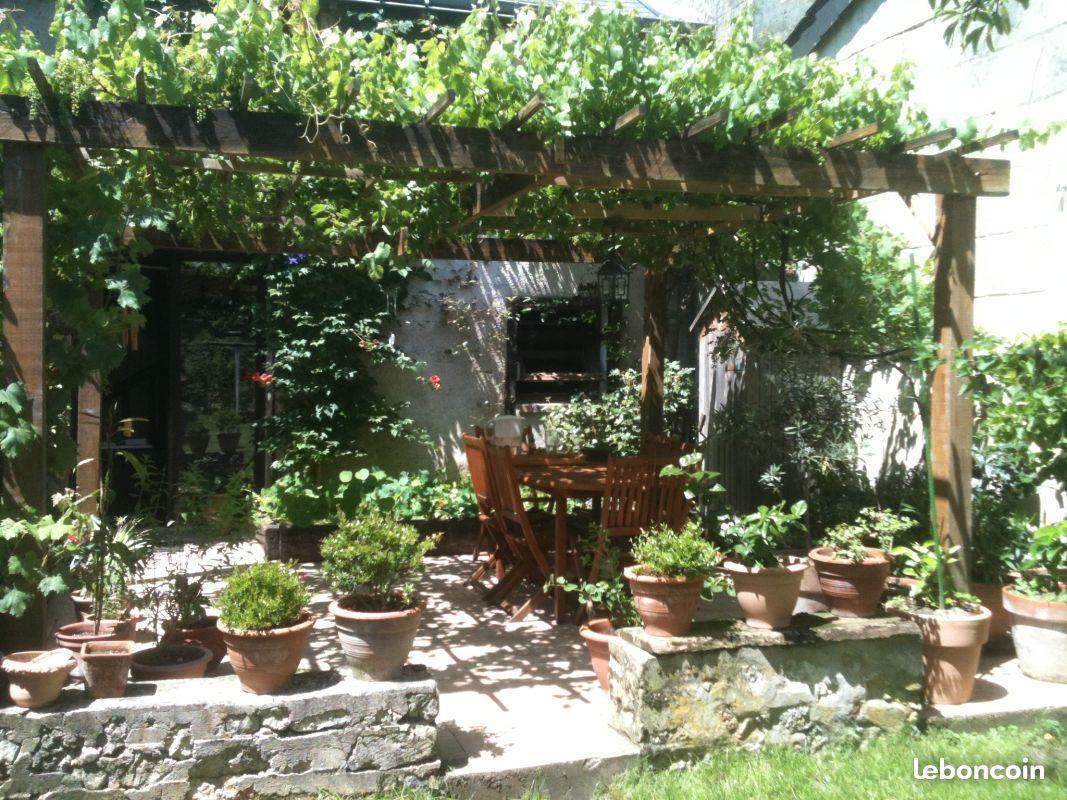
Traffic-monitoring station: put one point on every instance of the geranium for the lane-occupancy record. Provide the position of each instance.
(435, 382)
(262, 379)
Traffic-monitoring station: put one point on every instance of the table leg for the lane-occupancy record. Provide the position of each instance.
(561, 555)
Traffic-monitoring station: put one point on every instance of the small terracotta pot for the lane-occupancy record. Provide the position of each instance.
(854, 588)
(205, 633)
(952, 647)
(83, 605)
(33, 685)
(106, 667)
(1039, 630)
(767, 595)
(666, 605)
(74, 635)
(376, 643)
(597, 635)
(992, 597)
(171, 662)
(265, 661)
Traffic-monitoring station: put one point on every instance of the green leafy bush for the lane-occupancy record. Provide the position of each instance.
(1045, 566)
(35, 556)
(609, 595)
(665, 553)
(262, 597)
(755, 539)
(849, 541)
(372, 562)
(920, 563)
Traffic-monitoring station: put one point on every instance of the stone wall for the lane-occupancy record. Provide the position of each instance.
(207, 739)
(826, 680)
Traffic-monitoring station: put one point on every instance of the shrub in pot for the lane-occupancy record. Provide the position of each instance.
(1037, 603)
(766, 581)
(999, 546)
(953, 625)
(668, 574)
(851, 574)
(371, 563)
(188, 621)
(266, 625)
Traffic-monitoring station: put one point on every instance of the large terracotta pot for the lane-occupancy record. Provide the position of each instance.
(74, 635)
(106, 667)
(597, 635)
(1039, 630)
(36, 677)
(265, 661)
(170, 662)
(767, 595)
(376, 643)
(666, 605)
(854, 588)
(991, 596)
(952, 646)
(205, 633)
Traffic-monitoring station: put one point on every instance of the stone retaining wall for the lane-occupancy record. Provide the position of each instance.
(207, 739)
(823, 680)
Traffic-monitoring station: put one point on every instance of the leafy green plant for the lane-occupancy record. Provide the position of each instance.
(702, 487)
(662, 552)
(261, 597)
(418, 495)
(933, 590)
(16, 432)
(754, 540)
(973, 22)
(372, 561)
(848, 542)
(186, 604)
(1045, 565)
(609, 595)
(35, 556)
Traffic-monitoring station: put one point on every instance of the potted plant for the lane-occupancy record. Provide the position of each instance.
(227, 423)
(265, 624)
(197, 434)
(371, 563)
(188, 621)
(1038, 606)
(766, 581)
(851, 574)
(171, 661)
(668, 575)
(106, 667)
(36, 677)
(999, 546)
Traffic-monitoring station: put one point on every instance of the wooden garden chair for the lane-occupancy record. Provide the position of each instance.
(490, 538)
(664, 447)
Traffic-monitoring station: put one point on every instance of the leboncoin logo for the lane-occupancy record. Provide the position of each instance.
(978, 772)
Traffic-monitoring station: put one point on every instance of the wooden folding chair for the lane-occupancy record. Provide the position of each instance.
(489, 535)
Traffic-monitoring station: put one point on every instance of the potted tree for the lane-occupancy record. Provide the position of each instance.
(265, 624)
(1037, 603)
(851, 574)
(668, 575)
(953, 624)
(371, 563)
(766, 580)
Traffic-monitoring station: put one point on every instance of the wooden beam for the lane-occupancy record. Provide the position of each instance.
(526, 113)
(141, 85)
(87, 473)
(637, 211)
(25, 211)
(857, 135)
(928, 140)
(438, 107)
(706, 124)
(1002, 138)
(679, 165)
(951, 410)
(51, 101)
(653, 350)
(629, 118)
(777, 121)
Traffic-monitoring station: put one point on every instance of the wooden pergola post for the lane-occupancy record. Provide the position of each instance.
(87, 475)
(25, 178)
(951, 411)
(653, 351)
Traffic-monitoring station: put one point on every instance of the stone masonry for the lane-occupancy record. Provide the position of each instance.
(823, 679)
(207, 739)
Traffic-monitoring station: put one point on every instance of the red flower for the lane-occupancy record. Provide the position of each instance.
(262, 379)
(435, 382)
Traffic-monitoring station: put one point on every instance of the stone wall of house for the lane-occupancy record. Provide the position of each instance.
(732, 685)
(207, 739)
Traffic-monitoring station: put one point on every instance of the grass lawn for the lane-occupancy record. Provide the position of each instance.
(881, 771)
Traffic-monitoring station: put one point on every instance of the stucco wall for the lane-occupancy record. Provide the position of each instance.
(34, 15)
(456, 324)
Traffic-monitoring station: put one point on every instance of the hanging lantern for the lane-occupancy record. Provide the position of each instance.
(613, 280)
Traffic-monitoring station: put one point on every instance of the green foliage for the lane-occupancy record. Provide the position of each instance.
(16, 432)
(419, 495)
(613, 421)
(662, 552)
(1045, 565)
(925, 563)
(372, 561)
(261, 597)
(185, 603)
(609, 595)
(754, 540)
(848, 541)
(35, 555)
(702, 487)
(973, 22)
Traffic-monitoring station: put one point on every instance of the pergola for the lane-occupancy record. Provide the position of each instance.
(501, 165)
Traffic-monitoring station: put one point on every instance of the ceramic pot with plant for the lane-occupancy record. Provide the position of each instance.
(371, 563)
(188, 620)
(170, 662)
(265, 624)
(668, 574)
(766, 580)
(953, 625)
(851, 574)
(197, 435)
(1037, 603)
(227, 424)
(106, 667)
(36, 677)
(999, 545)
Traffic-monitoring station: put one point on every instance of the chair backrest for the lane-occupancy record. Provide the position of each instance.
(506, 484)
(628, 492)
(481, 477)
(660, 446)
(669, 505)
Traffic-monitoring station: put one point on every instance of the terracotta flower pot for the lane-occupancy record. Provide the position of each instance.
(376, 643)
(265, 661)
(197, 442)
(854, 588)
(952, 646)
(205, 633)
(992, 597)
(811, 599)
(666, 605)
(1039, 630)
(767, 595)
(597, 636)
(170, 662)
(106, 667)
(83, 605)
(74, 635)
(36, 677)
